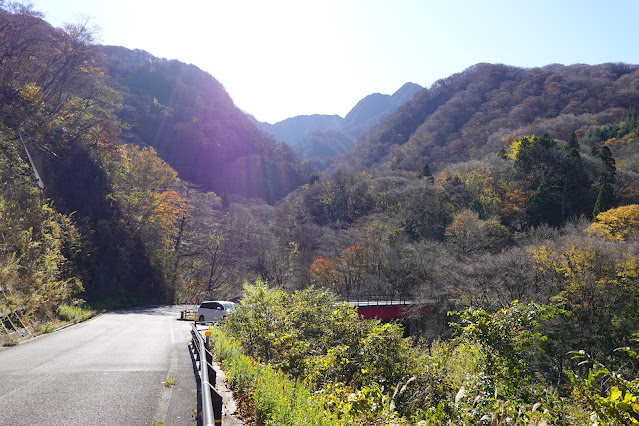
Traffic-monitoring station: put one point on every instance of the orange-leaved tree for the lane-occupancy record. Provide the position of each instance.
(323, 272)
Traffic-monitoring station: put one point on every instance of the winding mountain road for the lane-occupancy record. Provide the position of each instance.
(106, 371)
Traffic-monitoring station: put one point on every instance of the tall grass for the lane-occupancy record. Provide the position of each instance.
(74, 313)
(272, 398)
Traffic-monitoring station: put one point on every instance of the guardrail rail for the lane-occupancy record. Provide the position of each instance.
(211, 399)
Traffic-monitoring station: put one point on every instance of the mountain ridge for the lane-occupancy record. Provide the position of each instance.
(321, 138)
(189, 118)
(368, 110)
(467, 115)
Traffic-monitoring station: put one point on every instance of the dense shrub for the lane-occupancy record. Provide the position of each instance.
(271, 398)
(367, 372)
(310, 336)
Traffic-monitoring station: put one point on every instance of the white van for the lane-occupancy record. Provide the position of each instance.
(214, 310)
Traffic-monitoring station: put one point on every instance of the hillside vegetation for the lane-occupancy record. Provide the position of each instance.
(187, 116)
(533, 240)
(467, 115)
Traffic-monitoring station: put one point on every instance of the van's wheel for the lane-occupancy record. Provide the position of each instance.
(201, 319)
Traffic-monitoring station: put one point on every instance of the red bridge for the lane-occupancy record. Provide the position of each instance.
(394, 307)
(391, 312)
(423, 317)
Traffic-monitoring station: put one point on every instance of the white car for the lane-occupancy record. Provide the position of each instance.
(214, 310)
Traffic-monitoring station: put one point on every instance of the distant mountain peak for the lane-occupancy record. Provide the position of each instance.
(322, 137)
(294, 129)
(376, 106)
(405, 93)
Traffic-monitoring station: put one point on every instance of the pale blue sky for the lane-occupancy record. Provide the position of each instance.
(278, 59)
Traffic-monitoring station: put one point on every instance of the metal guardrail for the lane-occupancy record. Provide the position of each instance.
(211, 399)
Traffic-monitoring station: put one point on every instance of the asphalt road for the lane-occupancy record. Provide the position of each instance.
(106, 371)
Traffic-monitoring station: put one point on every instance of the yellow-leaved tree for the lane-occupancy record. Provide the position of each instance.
(618, 224)
(597, 281)
(145, 189)
(483, 186)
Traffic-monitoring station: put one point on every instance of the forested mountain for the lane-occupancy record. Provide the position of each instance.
(375, 107)
(322, 149)
(321, 138)
(189, 118)
(468, 115)
(470, 148)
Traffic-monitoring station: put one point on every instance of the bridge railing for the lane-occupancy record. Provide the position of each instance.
(378, 299)
(394, 299)
(211, 399)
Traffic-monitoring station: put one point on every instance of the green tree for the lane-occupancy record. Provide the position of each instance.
(426, 172)
(311, 336)
(612, 397)
(555, 176)
(608, 176)
(573, 146)
(602, 204)
(596, 281)
(506, 388)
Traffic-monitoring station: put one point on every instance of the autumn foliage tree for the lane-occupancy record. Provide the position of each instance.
(47, 77)
(466, 231)
(37, 250)
(323, 272)
(145, 190)
(347, 274)
(513, 208)
(596, 281)
(618, 224)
